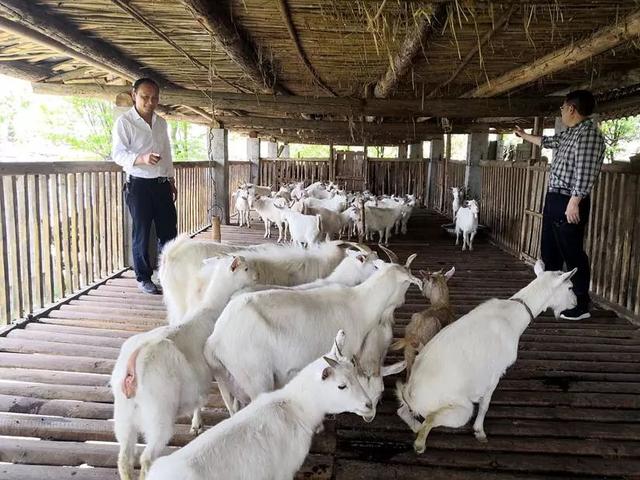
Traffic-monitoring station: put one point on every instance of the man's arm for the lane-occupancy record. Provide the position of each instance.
(536, 140)
(121, 151)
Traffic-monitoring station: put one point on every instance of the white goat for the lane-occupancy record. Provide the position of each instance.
(336, 202)
(270, 439)
(303, 229)
(281, 331)
(269, 213)
(298, 192)
(457, 198)
(380, 220)
(162, 374)
(467, 224)
(463, 363)
(333, 223)
(183, 277)
(242, 206)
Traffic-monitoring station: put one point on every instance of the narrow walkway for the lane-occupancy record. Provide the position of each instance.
(569, 408)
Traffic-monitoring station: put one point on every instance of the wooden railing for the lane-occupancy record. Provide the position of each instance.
(274, 172)
(511, 205)
(62, 227)
(397, 177)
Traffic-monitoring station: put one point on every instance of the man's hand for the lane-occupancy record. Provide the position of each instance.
(174, 190)
(518, 131)
(573, 210)
(148, 158)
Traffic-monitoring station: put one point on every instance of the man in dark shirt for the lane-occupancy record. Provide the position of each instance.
(579, 152)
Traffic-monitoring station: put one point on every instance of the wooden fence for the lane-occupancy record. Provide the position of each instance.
(397, 177)
(274, 172)
(62, 227)
(511, 205)
(439, 181)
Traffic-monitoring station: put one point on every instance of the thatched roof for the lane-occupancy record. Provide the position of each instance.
(411, 53)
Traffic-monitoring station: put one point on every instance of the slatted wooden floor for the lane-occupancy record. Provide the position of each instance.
(569, 408)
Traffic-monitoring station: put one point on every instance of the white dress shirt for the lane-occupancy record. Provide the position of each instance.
(132, 136)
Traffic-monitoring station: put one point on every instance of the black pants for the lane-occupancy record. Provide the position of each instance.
(149, 201)
(562, 242)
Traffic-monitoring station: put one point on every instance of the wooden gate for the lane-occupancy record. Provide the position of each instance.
(351, 170)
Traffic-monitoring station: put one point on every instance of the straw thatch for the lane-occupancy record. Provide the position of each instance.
(405, 50)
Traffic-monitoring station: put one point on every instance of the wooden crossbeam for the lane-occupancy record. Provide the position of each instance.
(412, 45)
(270, 104)
(604, 39)
(293, 34)
(235, 42)
(24, 71)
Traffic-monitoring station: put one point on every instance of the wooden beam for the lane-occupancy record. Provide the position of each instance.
(612, 80)
(293, 34)
(604, 39)
(270, 104)
(232, 39)
(94, 51)
(69, 75)
(135, 13)
(486, 38)
(412, 45)
(24, 71)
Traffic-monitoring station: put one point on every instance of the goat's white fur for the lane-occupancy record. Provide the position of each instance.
(467, 224)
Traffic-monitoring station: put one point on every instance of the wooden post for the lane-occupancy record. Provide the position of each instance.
(402, 151)
(332, 163)
(445, 165)
(219, 156)
(253, 155)
(538, 126)
(477, 148)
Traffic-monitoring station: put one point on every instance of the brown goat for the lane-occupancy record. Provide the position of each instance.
(426, 324)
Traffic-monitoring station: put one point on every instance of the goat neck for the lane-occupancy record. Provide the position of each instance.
(304, 394)
(373, 295)
(536, 295)
(439, 297)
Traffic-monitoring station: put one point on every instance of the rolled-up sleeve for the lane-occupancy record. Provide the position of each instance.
(121, 152)
(589, 157)
(552, 141)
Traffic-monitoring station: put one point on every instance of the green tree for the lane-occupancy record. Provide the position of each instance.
(618, 131)
(10, 105)
(96, 116)
(186, 142)
(298, 150)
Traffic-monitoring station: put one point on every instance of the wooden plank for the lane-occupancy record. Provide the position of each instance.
(5, 291)
(58, 282)
(74, 264)
(82, 232)
(35, 250)
(46, 472)
(620, 206)
(52, 377)
(89, 249)
(107, 232)
(95, 227)
(103, 333)
(66, 241)
(102, 226)
(56, 362)
(12, 244)
(121, 214)
(45, 241)
(67, 338)
(21, 345)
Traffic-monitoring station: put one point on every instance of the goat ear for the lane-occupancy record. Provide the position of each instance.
(410, 260)
(538, 268)
(567, 276)
(326, 373)
(450, 273)
(236, 263)
(393, 369)
(332, 363)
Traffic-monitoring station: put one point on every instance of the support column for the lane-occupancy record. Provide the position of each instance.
(218, 149)
(415, 151)
(402, 151)
(437, 148)
(286, 153)
(538, 123)
(253, 155)
(477, 148)
(272, 149)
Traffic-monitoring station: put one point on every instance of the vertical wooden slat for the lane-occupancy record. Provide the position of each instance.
(122, 212)
(95, 225)
(107, 224)
(45, 240)
(102, 226)
(33, 206)
(12, 244)
(54, 204)
(89, 228)
(113, 204)
(5, 294)
(617, 212)
(73, 233)
(82, 231)
(602, 244)
(64, 226)
(628, 220)
(23, 245)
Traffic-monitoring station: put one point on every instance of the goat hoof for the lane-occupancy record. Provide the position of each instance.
(196, 430)
(481, 437)
(419, 447)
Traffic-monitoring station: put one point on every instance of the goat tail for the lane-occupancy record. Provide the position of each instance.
(399, 344)
(129, 385)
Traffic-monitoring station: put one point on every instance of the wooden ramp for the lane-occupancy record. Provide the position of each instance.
(569, 408)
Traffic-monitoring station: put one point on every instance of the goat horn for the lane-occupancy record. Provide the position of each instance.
(359, 246)
(393, 258)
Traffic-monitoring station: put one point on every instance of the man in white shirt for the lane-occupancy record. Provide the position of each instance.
(141, 146)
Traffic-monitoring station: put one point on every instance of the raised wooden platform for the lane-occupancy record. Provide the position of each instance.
(569, 408)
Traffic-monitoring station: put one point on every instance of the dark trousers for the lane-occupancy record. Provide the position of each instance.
(149, 201)
(562, 242)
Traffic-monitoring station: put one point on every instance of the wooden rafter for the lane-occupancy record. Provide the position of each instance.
(412, 45)
(486, 38)
(69, 75)
(293, 34)
(135, 13)
(24, 71)
(604, 39)
(270, 104)
(235, 43)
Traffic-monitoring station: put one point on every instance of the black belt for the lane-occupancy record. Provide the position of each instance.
(149, 180)
(562, 191)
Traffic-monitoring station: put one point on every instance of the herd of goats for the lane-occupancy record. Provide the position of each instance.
(291, 334)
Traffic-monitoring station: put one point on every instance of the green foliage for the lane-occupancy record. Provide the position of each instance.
(187, 143)
(96, 116)
(618, 131)
(297, 150)
(10, 105)
(380, 151)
